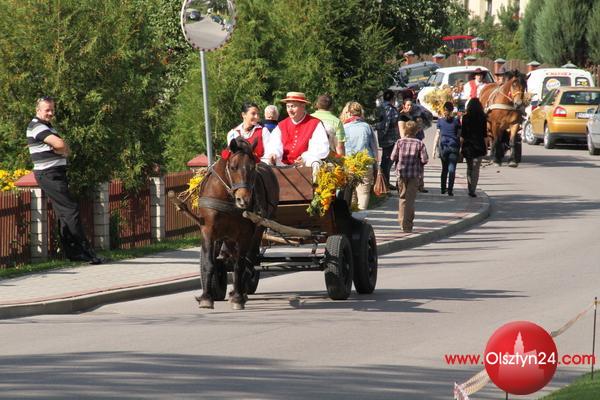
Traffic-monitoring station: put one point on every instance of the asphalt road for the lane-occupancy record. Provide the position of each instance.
(536, 258)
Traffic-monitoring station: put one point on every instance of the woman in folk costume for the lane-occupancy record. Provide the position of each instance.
(300, 139)
(250, 129)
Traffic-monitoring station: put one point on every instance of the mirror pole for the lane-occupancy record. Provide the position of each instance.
(209, 147)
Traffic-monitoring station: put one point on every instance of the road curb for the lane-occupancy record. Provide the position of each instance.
(473, 218)
(86, 302)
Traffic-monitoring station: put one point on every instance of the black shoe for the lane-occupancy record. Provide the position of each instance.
(93, 260)
(443, 191)
(472, 195)
(392, 187)
(450, 193)
(96, 261)
(423, 191)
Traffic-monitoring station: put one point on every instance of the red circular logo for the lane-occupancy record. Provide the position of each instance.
(521, 357)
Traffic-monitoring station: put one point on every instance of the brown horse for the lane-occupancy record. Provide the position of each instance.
(504, 105)
(233, 184)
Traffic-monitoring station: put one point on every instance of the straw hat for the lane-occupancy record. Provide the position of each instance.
(295, 96)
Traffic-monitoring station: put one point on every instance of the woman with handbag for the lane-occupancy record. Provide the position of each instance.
(447, 146)
(359, 137)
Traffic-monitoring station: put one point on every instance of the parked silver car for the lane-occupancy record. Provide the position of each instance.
(593, 133)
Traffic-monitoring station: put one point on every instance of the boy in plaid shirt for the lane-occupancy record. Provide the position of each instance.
(409, 155)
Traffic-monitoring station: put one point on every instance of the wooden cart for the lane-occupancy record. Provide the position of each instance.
(350, 253)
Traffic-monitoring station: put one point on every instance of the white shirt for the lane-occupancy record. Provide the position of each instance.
(318, 145)
(239, 131)
(467, 89)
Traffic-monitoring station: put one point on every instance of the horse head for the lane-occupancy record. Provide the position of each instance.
(517, 85)
(241, 171)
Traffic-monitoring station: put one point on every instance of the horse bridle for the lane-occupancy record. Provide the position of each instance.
(232, 187)
(510, 98)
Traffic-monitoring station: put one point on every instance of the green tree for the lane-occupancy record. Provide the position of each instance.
(419, 25)
(528, 32)
(106, 64)
(593, 34)
(560, 31)
(314, 46)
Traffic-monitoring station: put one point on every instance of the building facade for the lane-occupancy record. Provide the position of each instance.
(481, 8)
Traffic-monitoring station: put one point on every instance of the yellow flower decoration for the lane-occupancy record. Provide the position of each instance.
(8, 179)
(193, 191)
(336, 173)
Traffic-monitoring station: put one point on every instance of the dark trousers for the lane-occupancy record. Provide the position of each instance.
(54, 183)
(449, 159)
(386, 162)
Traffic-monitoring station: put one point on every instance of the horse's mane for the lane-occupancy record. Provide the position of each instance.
(519, 76)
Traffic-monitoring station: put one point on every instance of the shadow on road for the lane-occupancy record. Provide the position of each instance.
(167, 376)
(537, 207)
(382, 300)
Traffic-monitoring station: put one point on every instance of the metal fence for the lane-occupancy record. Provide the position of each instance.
(15, 228)
(178, 225)
(130, 224)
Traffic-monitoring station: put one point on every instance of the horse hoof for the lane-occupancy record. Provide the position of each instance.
(237, 306)
(205, 303)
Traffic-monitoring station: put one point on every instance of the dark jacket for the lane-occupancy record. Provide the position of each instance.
(387, 125)
(474, 131)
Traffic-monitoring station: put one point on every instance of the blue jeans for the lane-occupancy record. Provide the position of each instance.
(449, 156)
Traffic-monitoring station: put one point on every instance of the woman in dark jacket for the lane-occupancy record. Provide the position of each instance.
(474, 131)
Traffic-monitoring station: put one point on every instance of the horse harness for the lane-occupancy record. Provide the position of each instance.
(500, 106)
(228, 207)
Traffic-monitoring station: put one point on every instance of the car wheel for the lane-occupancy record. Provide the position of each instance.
(529, 136)
(593, 151)
(548, 140)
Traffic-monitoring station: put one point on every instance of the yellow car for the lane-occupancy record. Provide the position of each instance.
(562, 116)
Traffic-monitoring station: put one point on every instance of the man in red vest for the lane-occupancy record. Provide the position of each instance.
(300, 139)
(473, 87)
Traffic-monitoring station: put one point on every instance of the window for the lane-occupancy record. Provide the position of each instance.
(580, 98)
(579, 81)
(554, 82)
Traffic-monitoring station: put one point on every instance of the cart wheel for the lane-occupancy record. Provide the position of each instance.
(252, 283)
(338, 267)
(219, 279)
(365, 259)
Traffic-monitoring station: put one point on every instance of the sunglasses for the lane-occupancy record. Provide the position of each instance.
(45, 98)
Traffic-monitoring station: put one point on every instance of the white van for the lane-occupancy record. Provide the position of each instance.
(542, 80)
(448, 76)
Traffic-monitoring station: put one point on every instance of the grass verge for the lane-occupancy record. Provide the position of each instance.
(113, 255)
(583, 388)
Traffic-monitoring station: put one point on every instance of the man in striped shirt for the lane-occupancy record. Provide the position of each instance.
(49, 154)
(410, 155)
